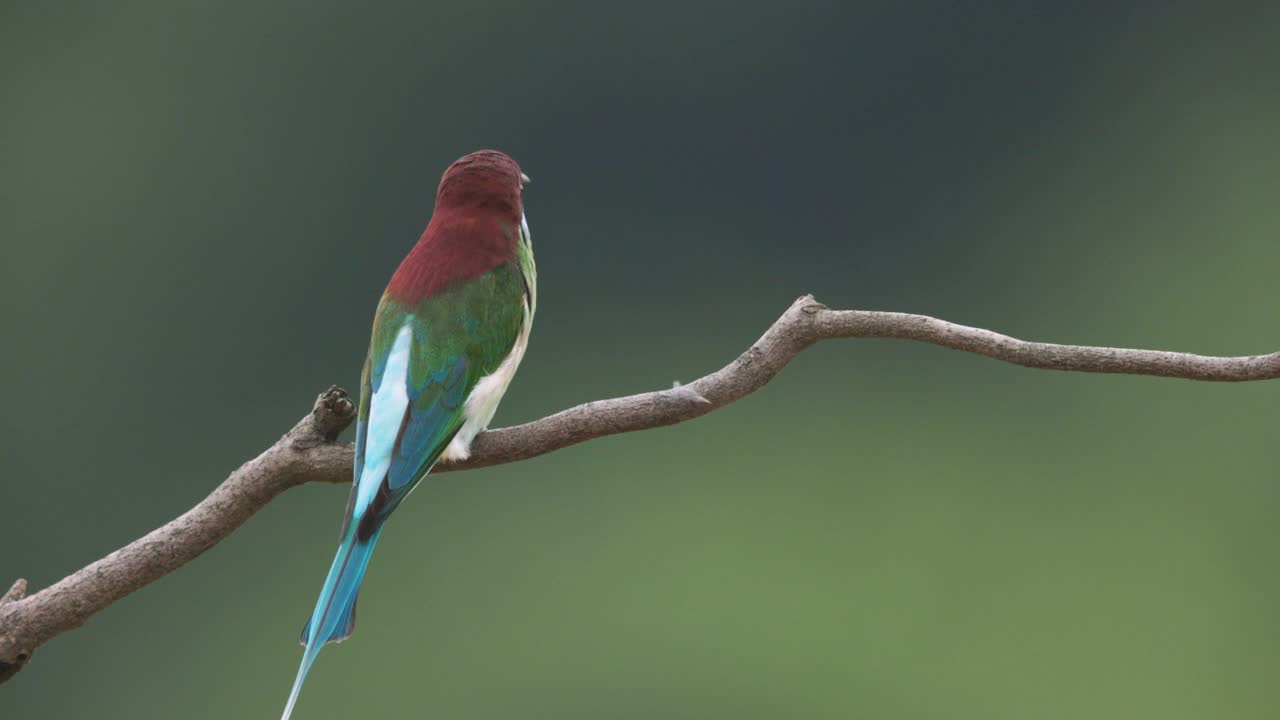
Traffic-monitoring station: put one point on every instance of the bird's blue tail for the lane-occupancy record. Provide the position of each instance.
(334, 618)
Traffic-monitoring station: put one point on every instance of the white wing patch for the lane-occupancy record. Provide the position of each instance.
(386, 413)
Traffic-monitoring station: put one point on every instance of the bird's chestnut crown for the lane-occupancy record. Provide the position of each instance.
(485, 179)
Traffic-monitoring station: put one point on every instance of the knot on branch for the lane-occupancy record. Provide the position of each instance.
(809, 305)
(332, 413)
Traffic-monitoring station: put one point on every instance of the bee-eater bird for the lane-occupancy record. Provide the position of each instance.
(448, 334)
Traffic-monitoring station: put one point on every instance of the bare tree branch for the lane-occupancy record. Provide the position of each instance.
(310, 451)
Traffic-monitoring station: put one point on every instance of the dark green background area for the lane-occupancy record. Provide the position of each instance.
(200, 206)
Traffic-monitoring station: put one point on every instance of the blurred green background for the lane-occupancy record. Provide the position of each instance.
(201, 206)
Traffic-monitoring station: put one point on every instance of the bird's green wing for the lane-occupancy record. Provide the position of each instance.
(423, 364)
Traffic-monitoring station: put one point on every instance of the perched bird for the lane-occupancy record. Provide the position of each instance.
(448, 334)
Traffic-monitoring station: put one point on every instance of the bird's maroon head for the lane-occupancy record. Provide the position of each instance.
(483, 180)
(474, 229)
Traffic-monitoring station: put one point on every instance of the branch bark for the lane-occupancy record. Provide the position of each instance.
(310, 451)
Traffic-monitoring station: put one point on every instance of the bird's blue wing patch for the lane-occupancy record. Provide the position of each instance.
(435, 414)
